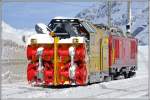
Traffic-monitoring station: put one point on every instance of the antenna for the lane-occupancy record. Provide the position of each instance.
(128, 26)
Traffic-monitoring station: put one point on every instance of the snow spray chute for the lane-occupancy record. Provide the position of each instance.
(41, 28)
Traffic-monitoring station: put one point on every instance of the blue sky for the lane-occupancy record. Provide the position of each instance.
(24, 15)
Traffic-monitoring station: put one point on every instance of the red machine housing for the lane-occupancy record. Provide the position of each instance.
(63, 64)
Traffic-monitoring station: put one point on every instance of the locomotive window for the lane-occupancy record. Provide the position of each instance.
(68, 27)
(63, 29)
(59, 28)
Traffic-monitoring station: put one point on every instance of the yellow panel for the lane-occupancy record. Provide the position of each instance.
(105, 54)
(113, 55)
(101, 56)
(56, 39)
(97, 47)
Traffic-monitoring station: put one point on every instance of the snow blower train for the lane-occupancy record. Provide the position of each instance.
(71, 51)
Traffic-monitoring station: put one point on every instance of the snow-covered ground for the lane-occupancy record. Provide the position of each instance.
(136, 87)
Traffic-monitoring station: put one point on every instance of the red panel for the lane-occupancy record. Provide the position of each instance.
(133, 49)
(32, 71)
(81, 74)
(63, 51)
(117, 49)
(48, 73)
(123, 51)
(110, 50)
(48, 54)
(31, 52)
(80, 53)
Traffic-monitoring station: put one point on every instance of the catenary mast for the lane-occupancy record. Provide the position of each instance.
(128, 26)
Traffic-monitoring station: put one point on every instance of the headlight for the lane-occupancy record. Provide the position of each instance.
(75, 40)
(33, 41)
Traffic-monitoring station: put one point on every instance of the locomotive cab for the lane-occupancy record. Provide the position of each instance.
(66, 28)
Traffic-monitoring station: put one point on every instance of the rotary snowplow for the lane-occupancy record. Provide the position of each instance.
(74, 51)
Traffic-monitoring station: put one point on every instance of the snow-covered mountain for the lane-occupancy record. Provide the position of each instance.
(12, 45)
(98, 13)
(10, 33)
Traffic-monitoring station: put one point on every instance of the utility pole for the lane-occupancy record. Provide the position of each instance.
(128, 26)
(109, 13)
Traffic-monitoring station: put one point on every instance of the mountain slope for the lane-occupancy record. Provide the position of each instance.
(10, 33)
(98, 14)
(12, 45)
